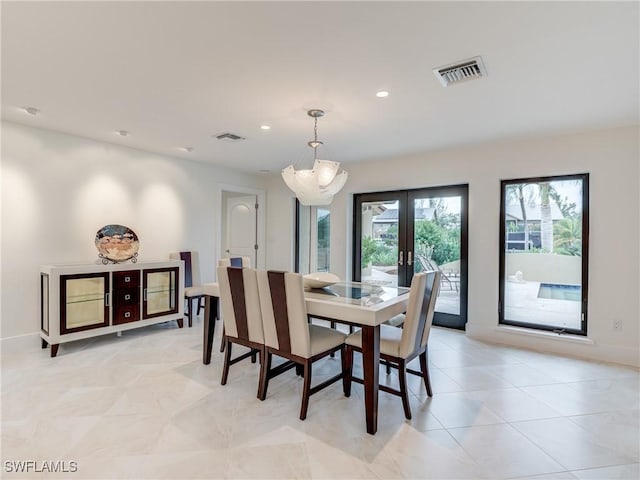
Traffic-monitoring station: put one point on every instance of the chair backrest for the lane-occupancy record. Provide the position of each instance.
(419, 316)
(244, 262)
(240, 303)
(191, 267)
(284, 312)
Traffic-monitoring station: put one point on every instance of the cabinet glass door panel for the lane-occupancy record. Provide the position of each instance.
(160, 292)
(83, 301)
(44, 302)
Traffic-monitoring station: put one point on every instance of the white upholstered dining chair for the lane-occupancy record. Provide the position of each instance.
(399, 346)
(288, 333)
(241, 315)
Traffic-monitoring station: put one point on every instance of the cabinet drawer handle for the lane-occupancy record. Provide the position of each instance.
(127, 297)
(127, 279)
(127, 314)
(107, 299)
(144, 294)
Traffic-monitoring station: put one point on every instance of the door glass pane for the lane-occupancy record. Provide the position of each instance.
(437, 234)
(322, 239)
(379, 243)
(84, 301)
(160, 292)
(543, 253)
(313, 239)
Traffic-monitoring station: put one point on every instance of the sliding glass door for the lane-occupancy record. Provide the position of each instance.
(400, 233)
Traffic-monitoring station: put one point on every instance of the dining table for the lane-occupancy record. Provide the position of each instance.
(363, 305)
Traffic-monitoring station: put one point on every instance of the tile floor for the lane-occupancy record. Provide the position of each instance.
(144, 406)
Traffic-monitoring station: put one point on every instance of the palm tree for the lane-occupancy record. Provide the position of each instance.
(568, 236)
(546, 222)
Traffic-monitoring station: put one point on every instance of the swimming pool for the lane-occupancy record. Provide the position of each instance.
(556, 291)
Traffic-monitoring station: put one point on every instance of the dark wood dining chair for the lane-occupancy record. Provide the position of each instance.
(399, 346)
(288, 334)
(193, 290)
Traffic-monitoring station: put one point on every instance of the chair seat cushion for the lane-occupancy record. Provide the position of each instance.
(323, 339)
(396, 321)
(193, 292)
(389, 340)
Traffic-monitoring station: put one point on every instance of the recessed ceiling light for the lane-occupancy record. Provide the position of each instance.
(31, 110)
(382, 94)
(265, 127)
(122, 133)
(187, 149)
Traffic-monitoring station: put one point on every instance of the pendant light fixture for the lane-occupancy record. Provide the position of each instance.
(318, 185)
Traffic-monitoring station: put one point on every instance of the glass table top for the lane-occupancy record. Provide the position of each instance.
(355, 293)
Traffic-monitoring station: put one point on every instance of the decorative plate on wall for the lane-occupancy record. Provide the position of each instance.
(117, 243)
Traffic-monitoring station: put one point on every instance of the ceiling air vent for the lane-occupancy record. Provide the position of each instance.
(460, 71)
(229, 136)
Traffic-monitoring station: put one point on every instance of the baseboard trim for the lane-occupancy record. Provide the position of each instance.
(568, 345)
(28, 341)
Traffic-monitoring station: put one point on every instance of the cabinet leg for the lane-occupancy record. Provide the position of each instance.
(43, 343)
(180, 322)
(54, 349)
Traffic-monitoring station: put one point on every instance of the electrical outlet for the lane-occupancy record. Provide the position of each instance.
(617, 324)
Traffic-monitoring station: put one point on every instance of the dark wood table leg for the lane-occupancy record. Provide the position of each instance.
(210, 316)
(370, 365)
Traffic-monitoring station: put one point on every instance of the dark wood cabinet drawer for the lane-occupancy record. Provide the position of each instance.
(125, 314)
(126, 296)
(126, 279)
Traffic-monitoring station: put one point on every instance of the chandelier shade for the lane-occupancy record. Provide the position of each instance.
(318, 185)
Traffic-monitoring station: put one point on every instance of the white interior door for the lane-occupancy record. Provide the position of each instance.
(241, 226)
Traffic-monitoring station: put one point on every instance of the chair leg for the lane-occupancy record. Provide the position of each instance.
(190, 316)
(200, 305)
(424, 366)
(402, 377)
(265, 368)
(306, 389)
(388, 367)
(345, 368)
(222, 340)
(227, 362)
(351, 328)
(253, 355)
(299, 370)
(348, 370)
(262, 362)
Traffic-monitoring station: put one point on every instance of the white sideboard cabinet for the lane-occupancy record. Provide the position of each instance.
(82, 301)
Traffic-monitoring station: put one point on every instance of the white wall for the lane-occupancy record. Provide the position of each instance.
(58, 190)
(612, 159)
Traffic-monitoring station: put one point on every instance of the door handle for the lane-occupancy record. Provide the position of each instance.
(107, 299)
(144, 294)
(409, 261)
(401, 259)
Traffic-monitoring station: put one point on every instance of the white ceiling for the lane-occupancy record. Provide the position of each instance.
(173, 74)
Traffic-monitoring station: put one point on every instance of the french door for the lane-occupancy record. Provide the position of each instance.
(399, 233)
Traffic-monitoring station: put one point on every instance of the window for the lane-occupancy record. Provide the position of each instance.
(544, 233)
(312, 235)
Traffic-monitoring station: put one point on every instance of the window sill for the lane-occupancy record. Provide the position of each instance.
(544, 334)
